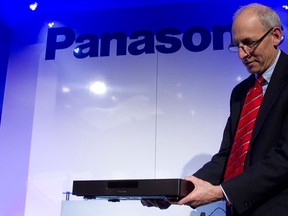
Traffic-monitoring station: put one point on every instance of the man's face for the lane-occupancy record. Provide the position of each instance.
(246, 30)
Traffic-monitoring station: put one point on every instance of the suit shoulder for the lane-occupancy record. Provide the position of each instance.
(243, 85)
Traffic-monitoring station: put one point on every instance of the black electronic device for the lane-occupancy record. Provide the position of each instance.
(133, 189)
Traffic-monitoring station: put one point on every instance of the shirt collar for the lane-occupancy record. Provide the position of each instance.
(268, 73)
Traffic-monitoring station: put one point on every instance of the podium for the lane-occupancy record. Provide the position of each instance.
(134, 208)
(122, 208)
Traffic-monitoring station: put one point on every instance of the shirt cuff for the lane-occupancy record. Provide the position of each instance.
(226, 197)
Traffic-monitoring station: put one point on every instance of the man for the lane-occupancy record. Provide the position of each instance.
(261, 186)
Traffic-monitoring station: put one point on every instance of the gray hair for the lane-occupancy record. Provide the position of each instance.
(267, 16)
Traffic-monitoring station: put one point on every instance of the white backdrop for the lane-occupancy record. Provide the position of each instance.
(160, 112)
(162, 115)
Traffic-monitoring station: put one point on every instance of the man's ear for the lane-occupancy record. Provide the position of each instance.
(277, 36)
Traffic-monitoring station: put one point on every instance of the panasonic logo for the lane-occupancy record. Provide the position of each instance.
(166, 41)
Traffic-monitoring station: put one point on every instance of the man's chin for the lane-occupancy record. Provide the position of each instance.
(252, 70)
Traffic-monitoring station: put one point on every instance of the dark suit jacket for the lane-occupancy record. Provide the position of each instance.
(262, 189)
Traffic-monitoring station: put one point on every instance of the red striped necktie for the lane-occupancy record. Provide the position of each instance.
(244, 131)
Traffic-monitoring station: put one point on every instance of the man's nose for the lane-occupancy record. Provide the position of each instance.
(242, 53)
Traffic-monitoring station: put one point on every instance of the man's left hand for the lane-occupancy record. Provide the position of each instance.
(203, 193)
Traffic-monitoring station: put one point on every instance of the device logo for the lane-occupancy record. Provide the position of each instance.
(166, 41)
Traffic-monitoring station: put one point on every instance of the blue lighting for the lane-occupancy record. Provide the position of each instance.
(33, 6)
(77, 50)
(51, 24)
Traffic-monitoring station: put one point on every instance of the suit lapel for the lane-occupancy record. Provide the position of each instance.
(238, 101)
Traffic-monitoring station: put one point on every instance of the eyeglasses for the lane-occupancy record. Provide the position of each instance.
(248, 47)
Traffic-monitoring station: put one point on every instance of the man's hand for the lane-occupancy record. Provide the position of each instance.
(162, 204)
(203, 193)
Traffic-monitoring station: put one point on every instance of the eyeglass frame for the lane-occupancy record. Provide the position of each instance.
(247, 48)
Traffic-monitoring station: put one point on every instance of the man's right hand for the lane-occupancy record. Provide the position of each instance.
(162, 204)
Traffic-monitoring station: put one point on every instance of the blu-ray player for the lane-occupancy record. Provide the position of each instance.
(133, 189)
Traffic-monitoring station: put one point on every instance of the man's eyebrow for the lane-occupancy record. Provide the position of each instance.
(246, 39)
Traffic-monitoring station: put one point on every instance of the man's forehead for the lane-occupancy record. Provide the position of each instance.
(246, 20)
(244, 24)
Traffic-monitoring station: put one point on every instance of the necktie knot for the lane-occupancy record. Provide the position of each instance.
(258, 85)
(261, 80)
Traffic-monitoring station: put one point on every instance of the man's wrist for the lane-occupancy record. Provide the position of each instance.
(219, 193)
